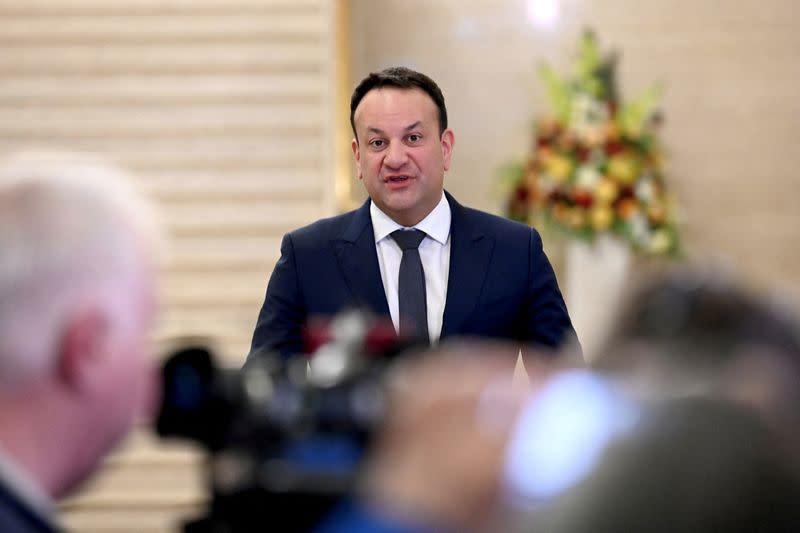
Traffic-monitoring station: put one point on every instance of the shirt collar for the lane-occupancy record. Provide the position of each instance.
(436, 225)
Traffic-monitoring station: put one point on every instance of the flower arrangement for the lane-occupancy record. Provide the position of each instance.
(596, 166)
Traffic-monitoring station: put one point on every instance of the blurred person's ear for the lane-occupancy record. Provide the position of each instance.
(83, 344)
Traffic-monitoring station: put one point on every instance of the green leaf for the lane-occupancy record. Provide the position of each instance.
(633, 115)
(557, 93)
(589, 58)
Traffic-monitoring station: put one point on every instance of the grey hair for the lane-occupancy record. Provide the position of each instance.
(70, 227)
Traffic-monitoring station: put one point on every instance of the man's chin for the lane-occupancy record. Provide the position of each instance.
(82, 471)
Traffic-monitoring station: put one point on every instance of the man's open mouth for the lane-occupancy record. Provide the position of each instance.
(397, 179)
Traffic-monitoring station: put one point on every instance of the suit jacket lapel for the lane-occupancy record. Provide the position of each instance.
(358, 259)
(470, 255)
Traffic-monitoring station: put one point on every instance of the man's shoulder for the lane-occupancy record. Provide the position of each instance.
(325, 229)
(497, 225)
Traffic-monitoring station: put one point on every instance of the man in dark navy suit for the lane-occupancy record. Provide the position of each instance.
(76, 301)
(412, 253)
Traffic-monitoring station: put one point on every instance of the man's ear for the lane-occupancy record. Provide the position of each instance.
(448, 141)
(82, 347)
(356, 157)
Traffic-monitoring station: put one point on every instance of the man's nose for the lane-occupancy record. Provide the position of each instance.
(396, 155)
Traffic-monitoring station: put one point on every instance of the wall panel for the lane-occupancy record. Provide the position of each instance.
(224, 110)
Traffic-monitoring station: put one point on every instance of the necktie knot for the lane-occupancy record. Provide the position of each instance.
(408, 239)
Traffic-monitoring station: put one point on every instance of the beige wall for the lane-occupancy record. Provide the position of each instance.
(224, 109)
(732, 75)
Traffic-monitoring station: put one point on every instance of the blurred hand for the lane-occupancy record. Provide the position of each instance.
(440, 454)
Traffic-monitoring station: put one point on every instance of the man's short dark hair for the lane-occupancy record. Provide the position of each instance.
(399, 78)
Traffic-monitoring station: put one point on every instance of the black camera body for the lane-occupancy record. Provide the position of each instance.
(285, 436)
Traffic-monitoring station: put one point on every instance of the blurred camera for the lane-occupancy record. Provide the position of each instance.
(285, 436)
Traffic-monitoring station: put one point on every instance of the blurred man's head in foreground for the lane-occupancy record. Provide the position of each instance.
(714, 371)
(692, 333)
(692, 465)
(77, 299)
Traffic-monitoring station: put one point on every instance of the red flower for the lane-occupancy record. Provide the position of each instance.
(614, 147)
(521, 194)
(582, 198)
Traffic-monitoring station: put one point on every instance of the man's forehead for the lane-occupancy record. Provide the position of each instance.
(412, 105)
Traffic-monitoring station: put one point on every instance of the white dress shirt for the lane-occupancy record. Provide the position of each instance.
(434, 251)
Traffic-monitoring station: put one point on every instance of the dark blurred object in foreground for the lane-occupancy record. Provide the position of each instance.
(286, 436)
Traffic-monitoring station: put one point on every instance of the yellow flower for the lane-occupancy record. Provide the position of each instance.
(623, 167)
(606, 191)
(602, 217)
(634, 131)
(559, 168)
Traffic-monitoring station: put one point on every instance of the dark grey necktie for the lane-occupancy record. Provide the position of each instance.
(411, 286)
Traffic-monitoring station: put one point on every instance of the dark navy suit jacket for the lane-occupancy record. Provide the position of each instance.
(17, 517)
(500, 283)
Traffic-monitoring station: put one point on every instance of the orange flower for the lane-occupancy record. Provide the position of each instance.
(543, 154)
(657, 213)
(577, 218)
(560, 212)
(627, 208)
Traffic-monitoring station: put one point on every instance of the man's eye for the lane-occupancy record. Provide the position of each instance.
(414, 138)
(377, 143)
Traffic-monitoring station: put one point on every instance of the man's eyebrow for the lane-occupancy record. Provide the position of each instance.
(413, 126)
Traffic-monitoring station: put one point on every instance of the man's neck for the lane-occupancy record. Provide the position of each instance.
(32, 444)
(408, 220)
